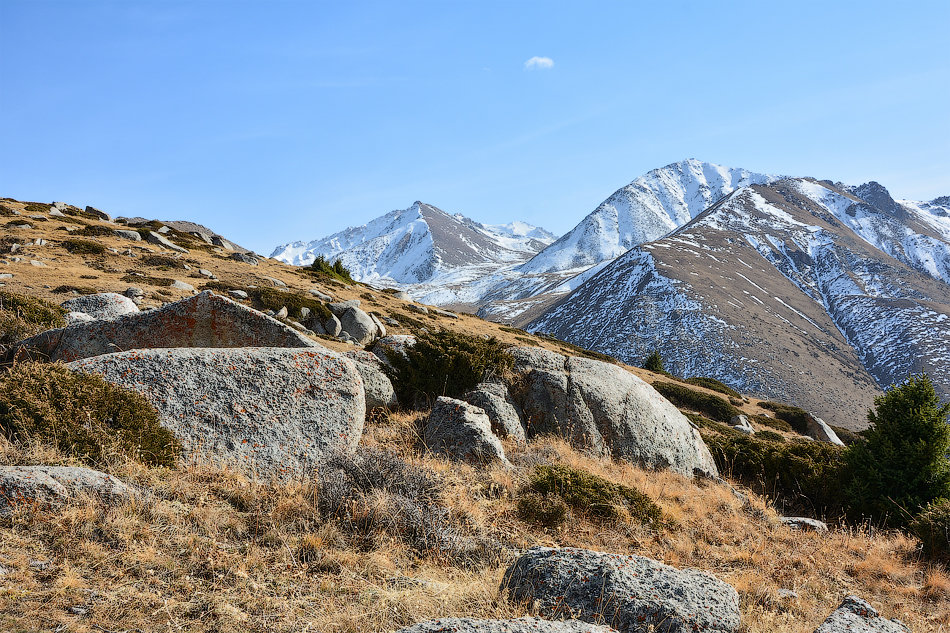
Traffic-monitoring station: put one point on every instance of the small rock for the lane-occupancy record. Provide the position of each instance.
(135, 236)
(275, 282)
(37, 263)
(505, 417)
(105, 305)
(56, 213)
(389, 321)
(42, 486)
(6, 275)
(102, 215)
(304, 313)
(78, 610)
(238, 294)
(181, 285)
(161, 240)
(394, 343)
(164, 230)
(402, 295)
(857, 616)
(217, 240)
(40, 242)
(822, 432)
(461, 432)
(787, 594)
(333, 326)
(376, 384)
(805, 524)
(520, 625)
(418, 308)
(445, 313)
(23, 225)
(132, 292)
(359, 325)
(322, 296)
(206, 273)
(282, 313)
(381, 329)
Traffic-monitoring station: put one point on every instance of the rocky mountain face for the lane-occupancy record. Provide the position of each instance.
(796, 290)
(422, 249)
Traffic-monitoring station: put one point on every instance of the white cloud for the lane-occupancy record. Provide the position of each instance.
(539, 63)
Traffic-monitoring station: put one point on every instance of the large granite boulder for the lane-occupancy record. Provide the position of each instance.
(359, 325)
(205, 320)
(44, 486)
(105, 305)
(267, 411)
(605, 408)
(520, 625)
(493, 398)
(379, 389)
(461, 432)
(857, 616)
(630, 593)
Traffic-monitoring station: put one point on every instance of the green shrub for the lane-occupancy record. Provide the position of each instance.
(932, 527)
(82, 415)
(847, 436)
(714, 385)
(22, 316)
(321, 267)
(37, 207)
(589, 494)
(162, 262)
(709, 405)
(446, 363)
(83, 290)
(795, 416)
(95, 230)
(775, 423)
(902, 466)
(546, 510)
(83, 247)
(801, 475)
(147, 279)
(6, 211)
(770, 436)
(654, 363)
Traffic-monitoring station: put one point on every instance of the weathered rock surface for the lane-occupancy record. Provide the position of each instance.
(269, 411)
(244, 258)
(205, 320)
(42, 486)
(741, 423)
(332, 326)
(359, 325)
(128, 234)
(102, 215)
(394, 343)
(818, 429)
(76, 317)
(493, 398)
(376, 384)
(461, 432)
(805, 524)
(105, 305)
(631, 593)
(339, 307)
(603, 407)
(857, 616)
(159, 239)
(520, 625)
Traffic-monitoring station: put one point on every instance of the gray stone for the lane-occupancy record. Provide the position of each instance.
(206, 273)
(205, 320)
(402, 296)
(461, 432)
(164, 230)
(380, 328)
(604, 408)
(394, 343)
(493, 398)
(6, 275)
(133, 292)
(391, 322)
(805, 524)
(304, 313)
(73, 318)
(632, 593)
(359, 326)
(102, 215)
(135, 236)
(56, 213)
(520, 625)
(105, 305)
(37, 263)
(277, 283)
(332, 326)
(820, 431)
(322, 296)
(217, 240)
(418, 308)
(182, 285)
(156, 238)
(445, 313)
(238, 294)
(305, 405)
(282, 313)
(40, 242)
(741, 423)
(340, 307)
(44, 486)
(857, 616)
(244, 258)
(23, 225)
(379, 389)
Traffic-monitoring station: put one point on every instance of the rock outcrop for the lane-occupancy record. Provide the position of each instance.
(268, 411)
(461, 432)
(857, 616)
(520, 625)
(493, 398)
(630, 593)
(205, 320)
(105, 305)
(44, 486)
(379, 389)
(603, 407)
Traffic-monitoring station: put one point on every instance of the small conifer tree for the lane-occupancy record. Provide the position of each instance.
(903, 466)
(654, 363)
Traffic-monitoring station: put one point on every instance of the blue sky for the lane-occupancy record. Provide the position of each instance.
(273, 121)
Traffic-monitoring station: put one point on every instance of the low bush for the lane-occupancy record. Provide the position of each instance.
(22, 316)
(163, 282)
(714, 385)
(654, 362)
(709, 405)
(274, 299)
(550, 485)
(932, 527)
(82, 415)
(445, 363)
(83, 247)
(95, 230)
(37, 207)
(801, 475)
(847, 436)
(322, 267)
(770, 436)
(775, 423)
(162, 262)
(83, 290)
(795, 416)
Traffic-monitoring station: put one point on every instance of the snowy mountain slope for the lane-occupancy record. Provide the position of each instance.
(771, 291)
(421, 245)
(649, 207)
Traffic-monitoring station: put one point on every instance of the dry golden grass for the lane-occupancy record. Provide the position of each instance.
(215, 551)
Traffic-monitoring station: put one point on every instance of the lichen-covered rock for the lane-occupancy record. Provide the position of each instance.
(857, 616)
(105, 305)
(135, 236)
(631, 593)
(461, 432)
(359, 325)
(205, 320)
(493, 398)
(605, 408)
(394, 343)
(43, 486)
(339, 307)
(269, 411)
(519, 625)
(376, 384)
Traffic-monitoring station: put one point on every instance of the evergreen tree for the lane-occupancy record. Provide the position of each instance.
(654, 363)
(903, 465)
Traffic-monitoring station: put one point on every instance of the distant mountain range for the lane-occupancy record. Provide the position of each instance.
(796, 289)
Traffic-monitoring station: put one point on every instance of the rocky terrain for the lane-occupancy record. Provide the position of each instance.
(306, 489)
